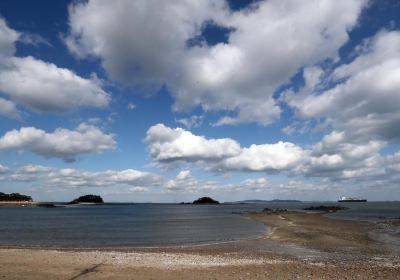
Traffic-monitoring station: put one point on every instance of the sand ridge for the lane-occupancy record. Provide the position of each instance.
(314, 230)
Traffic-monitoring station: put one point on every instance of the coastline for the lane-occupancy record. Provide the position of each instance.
(25, 204)
(298, 245)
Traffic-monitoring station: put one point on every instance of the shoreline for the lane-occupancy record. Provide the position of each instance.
(117, 247)
(274, 223)
(298, 246)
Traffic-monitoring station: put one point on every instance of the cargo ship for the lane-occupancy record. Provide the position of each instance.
(351, 199)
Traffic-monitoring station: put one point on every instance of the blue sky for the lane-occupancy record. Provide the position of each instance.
(141, 101)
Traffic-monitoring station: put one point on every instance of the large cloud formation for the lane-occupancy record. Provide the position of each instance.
(240, 75)
(42, 86)
(332, 164)
(333, 157)
(360, 102)
(168, 146)
(62, 143)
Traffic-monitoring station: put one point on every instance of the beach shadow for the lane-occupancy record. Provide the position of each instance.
(86, 271)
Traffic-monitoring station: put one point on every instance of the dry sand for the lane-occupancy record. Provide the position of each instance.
(298, 246)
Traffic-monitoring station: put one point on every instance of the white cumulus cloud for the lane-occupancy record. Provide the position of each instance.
(62, 143)
(169, 145)
(33, 168)
(42, 86)
(265, 158)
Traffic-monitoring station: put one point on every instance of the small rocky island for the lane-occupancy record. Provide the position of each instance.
(14, 197)
(204, 200)
(90, 198)
(327, 209)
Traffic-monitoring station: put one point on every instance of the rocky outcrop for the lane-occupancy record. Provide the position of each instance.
(327, 209)
(90, 198)
(14, 197)
(267, 210)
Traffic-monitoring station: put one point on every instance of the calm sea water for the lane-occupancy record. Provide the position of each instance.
(149, 225)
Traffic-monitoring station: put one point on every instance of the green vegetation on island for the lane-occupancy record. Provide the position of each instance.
(90, 198)
(14, 197)
(203, 200)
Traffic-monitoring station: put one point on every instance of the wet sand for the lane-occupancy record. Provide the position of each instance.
(297, 246)
(314, 230)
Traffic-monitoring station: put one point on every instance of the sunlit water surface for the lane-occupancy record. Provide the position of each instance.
(152, 225)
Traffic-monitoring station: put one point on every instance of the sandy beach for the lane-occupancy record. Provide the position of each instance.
(297, 246)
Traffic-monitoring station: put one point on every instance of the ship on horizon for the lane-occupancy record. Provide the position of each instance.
(351, 199)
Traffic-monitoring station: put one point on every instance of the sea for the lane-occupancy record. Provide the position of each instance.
(154, 225)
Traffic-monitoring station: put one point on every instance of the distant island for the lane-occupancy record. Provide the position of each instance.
(203, 200)
(268, 201)
(14, 197)
(90, 198)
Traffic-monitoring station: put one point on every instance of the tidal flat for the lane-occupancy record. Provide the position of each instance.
(296, 246)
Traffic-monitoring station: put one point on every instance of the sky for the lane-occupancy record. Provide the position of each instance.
(168, 101)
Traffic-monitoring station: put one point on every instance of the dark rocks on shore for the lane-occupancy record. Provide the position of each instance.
(90, 198)
(277, 210)
(265, 211)
(327, 209)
